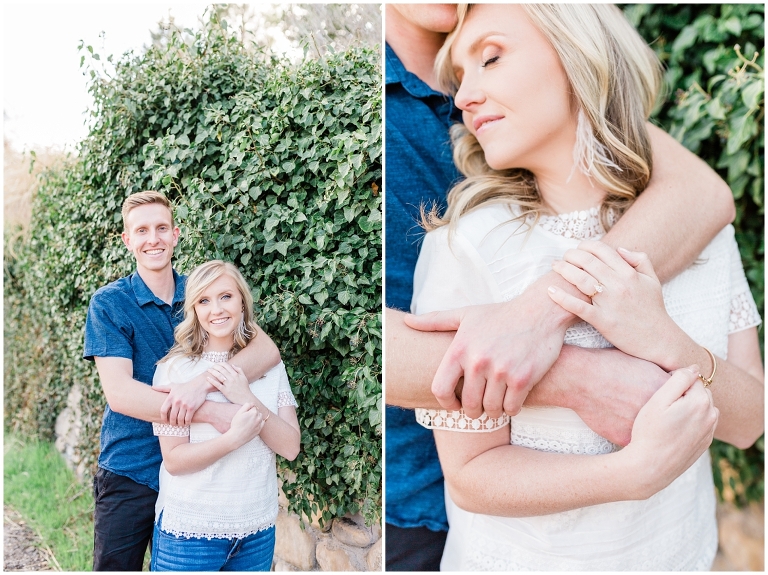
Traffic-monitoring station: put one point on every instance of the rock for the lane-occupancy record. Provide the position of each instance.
(294, 544)
(67, 429)
(741, 533)
(373, 557)
(282, 565)
(334, 557)
(351, 533)
(315, 521)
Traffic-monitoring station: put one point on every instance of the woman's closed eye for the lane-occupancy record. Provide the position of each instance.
(490, 61)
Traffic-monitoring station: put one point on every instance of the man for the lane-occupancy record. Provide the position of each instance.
(128, 330)
(501, 350)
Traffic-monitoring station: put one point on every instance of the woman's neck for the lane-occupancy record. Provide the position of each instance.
(562, 186)
(219, 344)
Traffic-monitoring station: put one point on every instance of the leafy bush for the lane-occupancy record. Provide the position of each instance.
(273, 166)
(714, 71)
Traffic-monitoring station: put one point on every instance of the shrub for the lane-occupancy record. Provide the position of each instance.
(273, 166)
(714, 73)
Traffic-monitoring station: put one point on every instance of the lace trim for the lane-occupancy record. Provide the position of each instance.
(457, 421)
(216, 356)
(233, 535)
(581, 224)
(170, 430)
(550, 439)
(286, 399)
(744, 313)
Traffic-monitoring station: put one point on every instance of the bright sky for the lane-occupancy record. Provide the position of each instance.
(44, 91)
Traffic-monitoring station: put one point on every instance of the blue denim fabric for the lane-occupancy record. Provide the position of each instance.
(420, 171)
(125, 319)
(252, 553)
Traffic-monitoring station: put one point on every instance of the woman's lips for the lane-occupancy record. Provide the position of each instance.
(483, 122)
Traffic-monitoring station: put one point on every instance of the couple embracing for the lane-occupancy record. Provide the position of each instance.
(573, 406)
(181, 358)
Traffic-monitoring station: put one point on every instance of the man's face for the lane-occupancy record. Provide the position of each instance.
(151, 236)
(431, 17)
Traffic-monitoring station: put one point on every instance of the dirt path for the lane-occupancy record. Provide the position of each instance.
(22, 545)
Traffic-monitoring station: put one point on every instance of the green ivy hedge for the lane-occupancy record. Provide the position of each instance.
(715, 76)
(273, 166)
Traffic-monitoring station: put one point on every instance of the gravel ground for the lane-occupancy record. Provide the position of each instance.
(21, 545)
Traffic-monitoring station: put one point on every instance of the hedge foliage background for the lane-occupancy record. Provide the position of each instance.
(273, 166)
(714, 58)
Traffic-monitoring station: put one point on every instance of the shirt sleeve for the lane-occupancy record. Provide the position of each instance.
(108, 332)
(449, 274)
(744, 314)
(285, 396)
(162, 377)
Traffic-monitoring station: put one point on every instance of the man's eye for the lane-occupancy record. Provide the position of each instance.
(490, 61)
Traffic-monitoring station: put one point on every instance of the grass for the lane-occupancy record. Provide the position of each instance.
(40, 486)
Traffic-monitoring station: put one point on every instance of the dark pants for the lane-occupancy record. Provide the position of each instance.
(414, 548)
(123, 521)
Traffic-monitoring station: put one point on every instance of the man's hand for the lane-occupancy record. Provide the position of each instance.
(605, 387)
(184, 400)
(502, 350)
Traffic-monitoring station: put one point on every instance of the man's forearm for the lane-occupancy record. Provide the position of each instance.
(412, 358)
(140, 401)
(258, 357)
(681, 184)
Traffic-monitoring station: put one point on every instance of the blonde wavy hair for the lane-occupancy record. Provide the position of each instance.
(189, 334)
(615, 79)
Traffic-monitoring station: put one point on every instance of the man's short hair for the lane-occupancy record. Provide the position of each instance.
(143, 198)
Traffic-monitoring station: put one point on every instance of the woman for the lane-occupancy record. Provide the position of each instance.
(217, 504)
(555, 101)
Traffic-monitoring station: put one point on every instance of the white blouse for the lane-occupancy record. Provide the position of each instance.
(237, 495)
(491, 259)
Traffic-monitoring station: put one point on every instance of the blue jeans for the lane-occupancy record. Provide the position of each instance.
(252, 553)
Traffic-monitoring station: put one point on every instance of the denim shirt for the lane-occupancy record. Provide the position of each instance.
(419, 171)
(125, 319)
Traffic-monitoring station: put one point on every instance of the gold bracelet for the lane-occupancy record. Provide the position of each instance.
(708, 380)
(269, 413)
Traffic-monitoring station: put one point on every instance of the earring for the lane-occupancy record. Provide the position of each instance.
(241, 331)
(588, 151)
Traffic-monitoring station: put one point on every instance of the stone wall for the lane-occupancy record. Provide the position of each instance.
(344, 544)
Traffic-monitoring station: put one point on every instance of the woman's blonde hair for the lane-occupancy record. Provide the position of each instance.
(189, 334)
(614, 77)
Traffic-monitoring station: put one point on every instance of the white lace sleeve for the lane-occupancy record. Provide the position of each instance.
(286, 399)
(170, 430)
(744, 312)
(457, 421)
(285, 396)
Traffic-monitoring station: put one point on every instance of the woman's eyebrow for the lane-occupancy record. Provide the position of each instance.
(480, 39)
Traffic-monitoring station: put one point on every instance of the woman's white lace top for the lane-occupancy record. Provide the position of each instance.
(237, 495)
(491, 259)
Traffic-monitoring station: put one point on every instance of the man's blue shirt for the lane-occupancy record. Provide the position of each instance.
(125, 319)
(419, 171)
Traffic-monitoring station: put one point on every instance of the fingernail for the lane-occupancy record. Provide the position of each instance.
(552, 289)
(623, 250)
(694, 369)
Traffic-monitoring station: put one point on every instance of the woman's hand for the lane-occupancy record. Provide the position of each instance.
(627, 305)
(231, 381)
(246, 425)
(671, 431)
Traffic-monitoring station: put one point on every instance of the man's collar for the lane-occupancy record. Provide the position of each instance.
(144, 295)
(397, 74)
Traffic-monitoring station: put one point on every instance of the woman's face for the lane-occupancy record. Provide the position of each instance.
(513, 90)
(219, 309)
